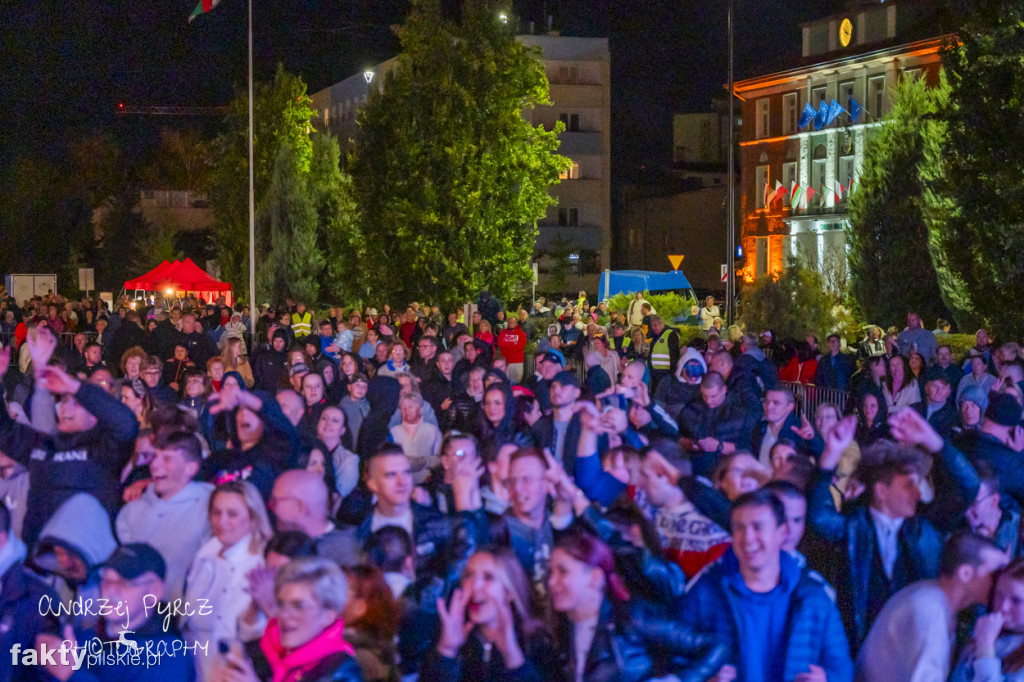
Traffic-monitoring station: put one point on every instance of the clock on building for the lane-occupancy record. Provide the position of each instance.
(845, 32)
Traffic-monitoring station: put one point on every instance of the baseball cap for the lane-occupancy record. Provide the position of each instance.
(566, 378)
(551, 356)
(693, 368)
(132, 560)
(298, 368)
(356, 378)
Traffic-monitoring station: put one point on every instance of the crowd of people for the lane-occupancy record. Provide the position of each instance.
(379, 495)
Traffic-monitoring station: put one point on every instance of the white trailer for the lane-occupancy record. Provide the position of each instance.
(24, 286)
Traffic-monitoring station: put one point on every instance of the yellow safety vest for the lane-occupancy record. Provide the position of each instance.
(660, 358)
(302, 326)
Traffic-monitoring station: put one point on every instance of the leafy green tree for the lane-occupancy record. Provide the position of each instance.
(295, 262)
(337, 230)
(891, 269)
(793, 304)
(449, 178)
(182, 162)
(976, 197)
(281, 113)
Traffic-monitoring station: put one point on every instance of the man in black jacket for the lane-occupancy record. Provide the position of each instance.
(270, 366)
(436, 536)
(713, 426)
(92, 441)
(559, 431)
(128, 335)
(199, 345)
(938, 409)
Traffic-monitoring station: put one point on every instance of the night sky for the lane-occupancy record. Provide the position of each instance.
(68, 64)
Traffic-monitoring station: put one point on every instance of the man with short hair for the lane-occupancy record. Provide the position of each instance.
(835, 367)
(998, 442)
(913, 636)
(779, 423)
(300, 502)
(944, 363)
(422, 365)
(133, 579)
(887, 543)
(937, 407)
(302, 322)
(200, 346)
(758, 588)
(664, 350)
(916, 337)
(988, 517)
(172, 513)
(752, 360)
(437, 538)
(713, 426)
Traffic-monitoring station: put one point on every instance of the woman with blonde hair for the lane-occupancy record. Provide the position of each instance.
(235, 360)
(491, 628)
(240, 527)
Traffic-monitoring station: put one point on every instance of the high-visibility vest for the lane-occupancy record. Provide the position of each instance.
(302, 326)
(660, 358)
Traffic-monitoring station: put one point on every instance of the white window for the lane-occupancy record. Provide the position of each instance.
(789, 113)
(845, 173)
(788, 178)
(760, 180)
(912, 73)
(818, 183)
(876, 96)
(762, 118)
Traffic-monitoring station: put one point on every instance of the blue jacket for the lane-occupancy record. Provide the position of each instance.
(834, 375)
(814, 630)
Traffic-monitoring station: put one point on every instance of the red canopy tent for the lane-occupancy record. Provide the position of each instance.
(181, 276)
(147, 282)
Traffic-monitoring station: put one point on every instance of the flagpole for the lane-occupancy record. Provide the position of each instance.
(730, 240)
(252, 204)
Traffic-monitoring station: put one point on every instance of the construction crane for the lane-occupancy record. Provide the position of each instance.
(123, 108)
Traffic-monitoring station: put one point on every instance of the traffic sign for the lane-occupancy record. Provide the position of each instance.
(676, 261)
(725, 272)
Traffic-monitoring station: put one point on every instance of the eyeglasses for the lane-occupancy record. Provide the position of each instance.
(298, 608)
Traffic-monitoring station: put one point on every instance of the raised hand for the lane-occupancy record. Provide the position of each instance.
(907, 426)
(41, 344)
(504, 637)
(986, 631)
(806, 430)
(261, 588)
(837, 440)
(466, 483)
(454, 628)
(662, 466)
(815, 674)
(225, 400)
(57, 381)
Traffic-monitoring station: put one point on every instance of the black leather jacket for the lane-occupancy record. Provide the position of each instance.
(635, 645)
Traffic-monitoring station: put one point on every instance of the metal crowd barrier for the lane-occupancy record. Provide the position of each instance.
(809, 397)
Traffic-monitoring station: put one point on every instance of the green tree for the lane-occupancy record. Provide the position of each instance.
(976, 197)
(182, 161)
(281, 113)
(337, 230)
(793, 304)
(891, 268)
(295, 262)
(449, 178)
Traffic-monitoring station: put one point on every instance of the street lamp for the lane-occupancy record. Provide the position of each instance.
(730, 239)
(503, 18)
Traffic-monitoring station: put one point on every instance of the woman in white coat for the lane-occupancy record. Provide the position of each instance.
(241, 529)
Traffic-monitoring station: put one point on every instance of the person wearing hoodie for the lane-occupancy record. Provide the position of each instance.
(21, 592)
(132, 577)
(263, 441)
(753, 360)
(171, 513)
(676, 392)
(93, 438)
(270, 366)
(356, 408)
(74, 543)
(757, 587)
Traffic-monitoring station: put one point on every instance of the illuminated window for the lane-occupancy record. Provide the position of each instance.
(760, 180)
(788, 178)
(572, 174)
(762, 118)
(789, 113)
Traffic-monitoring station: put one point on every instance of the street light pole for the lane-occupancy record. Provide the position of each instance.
(252, 205)
(730, 240)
